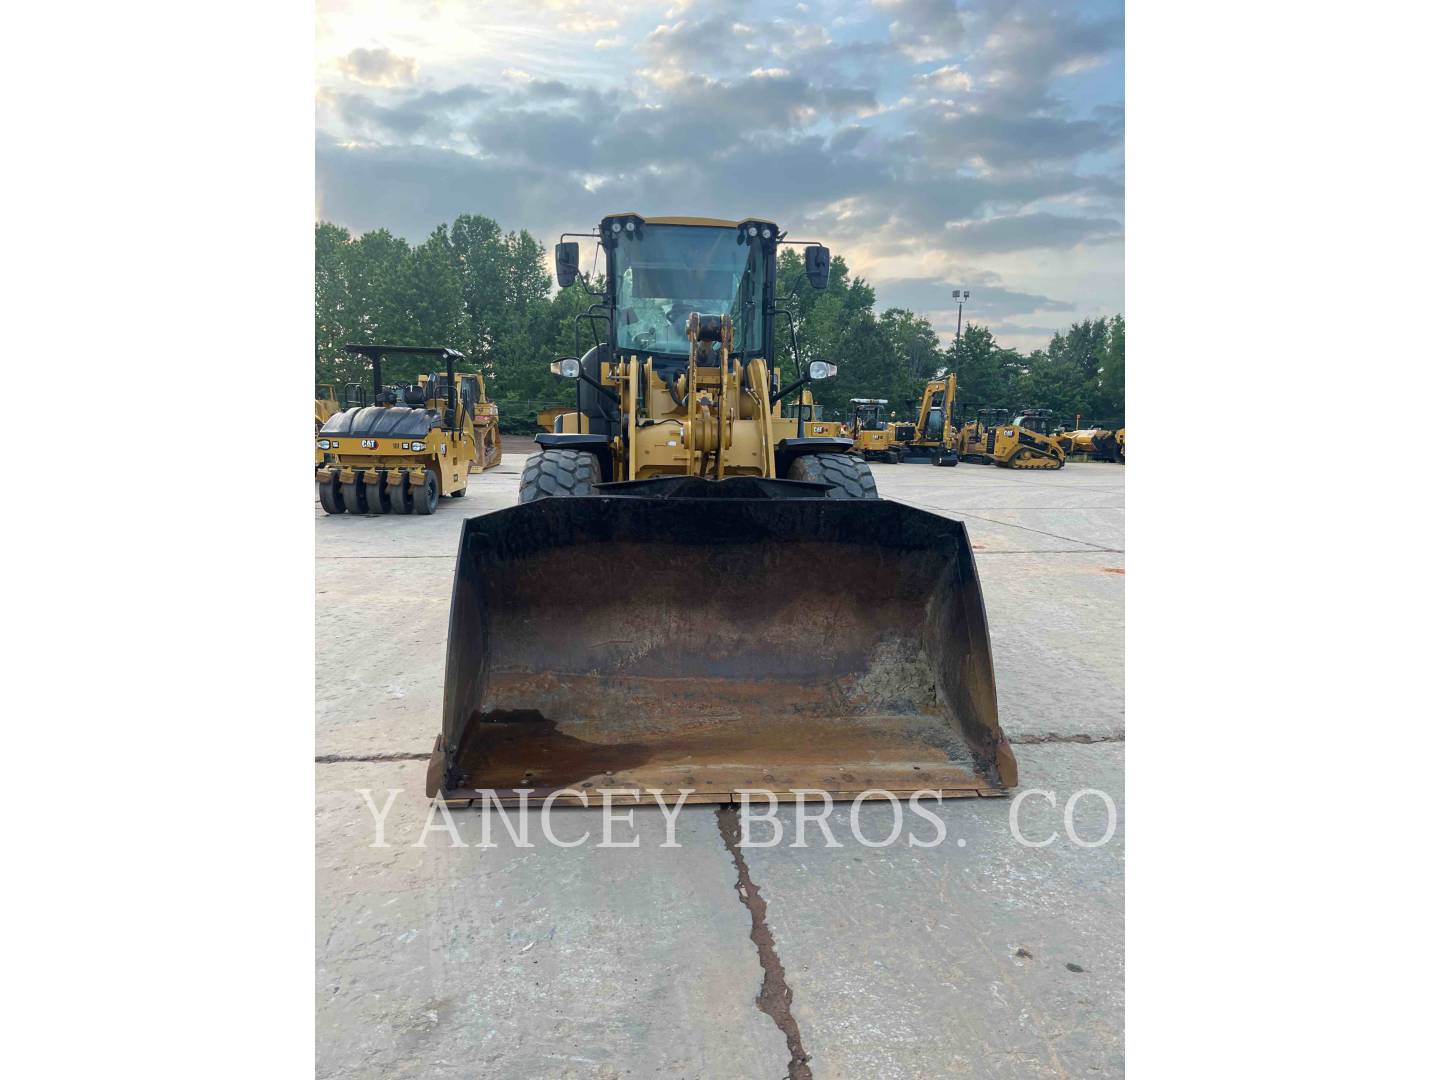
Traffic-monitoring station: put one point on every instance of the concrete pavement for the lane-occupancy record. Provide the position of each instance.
(590, 962)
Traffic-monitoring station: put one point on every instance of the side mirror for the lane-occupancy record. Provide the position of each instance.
(567, 367)
(817, 266)
(819, 369)
(567, 263)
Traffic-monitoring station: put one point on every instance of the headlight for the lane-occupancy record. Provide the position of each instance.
(568, 367)
(324, 444)
(819, 369)
(417, 446)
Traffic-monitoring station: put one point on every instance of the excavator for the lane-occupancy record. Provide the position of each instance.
(693, 598)
(935, 438)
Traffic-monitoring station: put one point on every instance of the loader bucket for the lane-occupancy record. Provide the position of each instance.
(717, 645)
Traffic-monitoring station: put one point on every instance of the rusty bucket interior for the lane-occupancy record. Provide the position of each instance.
(717, 646)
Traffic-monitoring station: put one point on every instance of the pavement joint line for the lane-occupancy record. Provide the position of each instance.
(1026, 528)
(775, 994)
(1007, 524)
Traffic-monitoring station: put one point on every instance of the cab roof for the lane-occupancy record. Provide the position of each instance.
(715, 222)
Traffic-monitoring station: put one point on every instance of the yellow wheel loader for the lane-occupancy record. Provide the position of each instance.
(412, 445)
(692, 597)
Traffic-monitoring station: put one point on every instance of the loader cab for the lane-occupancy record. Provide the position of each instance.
(869, 413)
(658, 271)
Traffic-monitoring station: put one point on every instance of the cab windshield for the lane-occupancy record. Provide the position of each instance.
(670, 271)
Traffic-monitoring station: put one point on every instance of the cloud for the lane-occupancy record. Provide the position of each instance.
(949, 77)
(917, 137)
(377, 67)
(925, 29)
(1039, 230)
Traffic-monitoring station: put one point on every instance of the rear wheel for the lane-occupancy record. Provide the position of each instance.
(460, 494)
(329, 489)
(846, 476)
(353, 494)
(558, 473)
(427, 498)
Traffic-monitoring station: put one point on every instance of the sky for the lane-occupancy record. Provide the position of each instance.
(935, 144)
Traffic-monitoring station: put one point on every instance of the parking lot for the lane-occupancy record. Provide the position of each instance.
(987, 958)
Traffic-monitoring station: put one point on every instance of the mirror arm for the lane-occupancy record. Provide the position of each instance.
(794, 341)
(787, 391)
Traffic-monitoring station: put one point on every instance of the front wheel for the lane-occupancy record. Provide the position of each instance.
(427, 498)
(559, 473)
(847, 477)
(331, 501)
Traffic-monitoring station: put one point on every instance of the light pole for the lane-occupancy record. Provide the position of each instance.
(960, 318)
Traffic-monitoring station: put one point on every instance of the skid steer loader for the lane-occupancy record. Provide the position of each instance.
(690, 597)
(399, 454)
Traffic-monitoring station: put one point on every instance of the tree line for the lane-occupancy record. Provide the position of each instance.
(488, 293)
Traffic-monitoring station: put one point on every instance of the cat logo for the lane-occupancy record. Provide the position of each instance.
(368, 444)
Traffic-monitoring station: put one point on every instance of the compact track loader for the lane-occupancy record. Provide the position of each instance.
(399, 454)
(693, 597)
(1024, 443)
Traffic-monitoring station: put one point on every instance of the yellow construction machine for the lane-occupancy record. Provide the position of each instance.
(872, 433)
(413, 444)
(932, 438)
(809, 416)
(326, 404)
(1025, 442)
(1097, 442)
(691, 597)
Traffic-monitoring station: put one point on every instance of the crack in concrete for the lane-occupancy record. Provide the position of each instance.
(1056, 737)
(775, 995)
(338, 759)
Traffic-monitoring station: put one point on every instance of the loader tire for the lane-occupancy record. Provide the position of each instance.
(426, 498)
(457, 494)
(330, 499)
(847, 477)
(557, 473)
(354, 495)
(400, 501)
